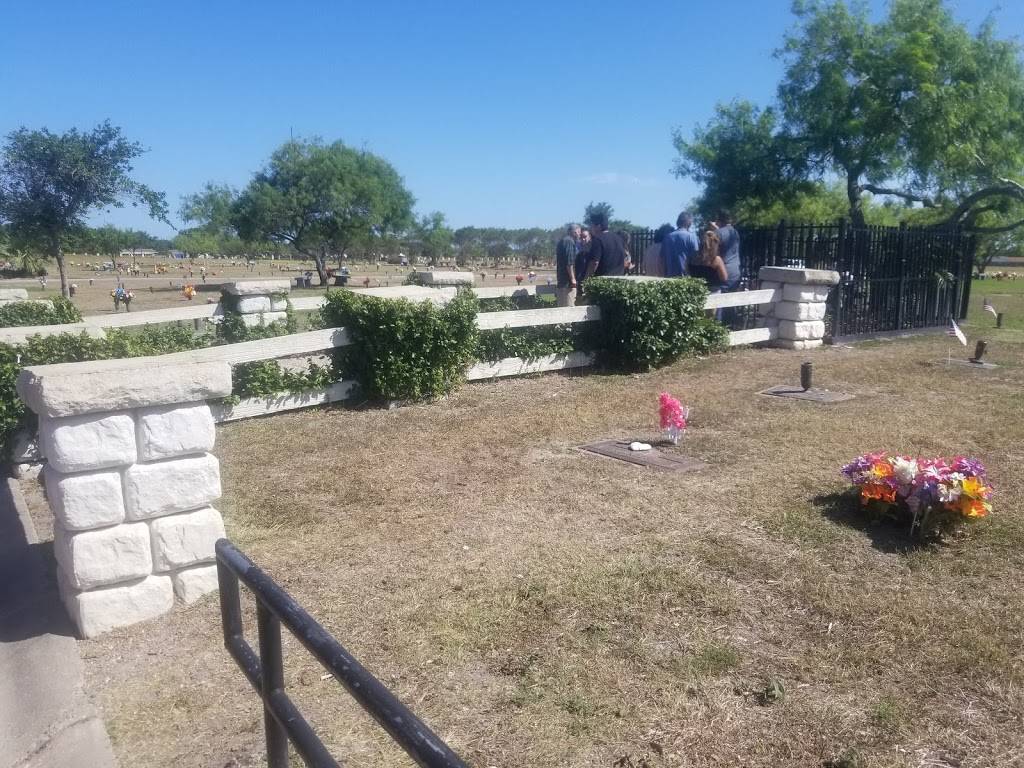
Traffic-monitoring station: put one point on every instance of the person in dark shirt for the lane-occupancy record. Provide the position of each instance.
(565, 266)
(729, 249)
(607, 256)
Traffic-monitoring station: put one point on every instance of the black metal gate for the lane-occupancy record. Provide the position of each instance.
(892, 278)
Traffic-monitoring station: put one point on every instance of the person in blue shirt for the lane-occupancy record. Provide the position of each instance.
(679, 247)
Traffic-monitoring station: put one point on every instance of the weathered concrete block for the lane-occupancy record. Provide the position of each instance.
(165, 487)
(445, 278)
(80, 443)
(19, 334)
(799, 276)
(251, 321)
(791, 310)
(101, 610)
(103, 556)
(249, 304)
(412, 293)
(71, 389)
(192, 583)
(82, 502)
(183, 540)
(793, 344)
(257, 287)
(801, 331)
(174, 430)
(769, 285)
(278, 305)
(13, 294)
(804, 293)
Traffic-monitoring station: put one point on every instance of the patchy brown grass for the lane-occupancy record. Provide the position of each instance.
(542, 607)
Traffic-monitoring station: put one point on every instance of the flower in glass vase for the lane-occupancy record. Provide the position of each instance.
(673, 415)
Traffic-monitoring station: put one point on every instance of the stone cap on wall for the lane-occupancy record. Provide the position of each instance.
(257, 287)
(409, 292)
(798, 276)
(73, 389)
(445, 278)
(20, 334)
(13, 294)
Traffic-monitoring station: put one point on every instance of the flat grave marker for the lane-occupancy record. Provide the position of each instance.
(798, 393)
(667, 462)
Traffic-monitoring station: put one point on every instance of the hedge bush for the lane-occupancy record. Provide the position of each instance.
(58, 311)
(528, 343)
(72, 348)
(403, 350)
(267, 377)
(648, 324)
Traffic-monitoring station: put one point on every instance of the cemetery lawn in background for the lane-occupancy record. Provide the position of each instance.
(540, 607)
(1007, 296)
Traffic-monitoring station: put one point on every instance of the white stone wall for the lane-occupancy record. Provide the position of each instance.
(132, 488)
(799, 316)
(260, 300)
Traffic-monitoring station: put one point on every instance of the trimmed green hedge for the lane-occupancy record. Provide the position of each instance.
(403, 350)
(647, 324)
(59, 311)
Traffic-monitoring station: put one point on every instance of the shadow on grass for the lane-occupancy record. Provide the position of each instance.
(886, 535)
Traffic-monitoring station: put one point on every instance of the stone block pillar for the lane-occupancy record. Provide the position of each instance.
(131, 483)
(799, 315)
(256, 299)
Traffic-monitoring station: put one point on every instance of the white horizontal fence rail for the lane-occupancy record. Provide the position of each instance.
(312, 343)
(319, 341)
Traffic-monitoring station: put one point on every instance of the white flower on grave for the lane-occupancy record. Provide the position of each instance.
(904, 469)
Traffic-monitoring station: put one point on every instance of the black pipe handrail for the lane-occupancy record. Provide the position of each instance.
(282, 720)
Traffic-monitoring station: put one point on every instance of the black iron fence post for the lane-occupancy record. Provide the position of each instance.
(901, 290)
(841, 266)
(969, 249)
(272, 679)
(780, 245)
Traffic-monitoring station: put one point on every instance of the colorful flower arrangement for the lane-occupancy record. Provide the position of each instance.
(673, 416)
(936, 493)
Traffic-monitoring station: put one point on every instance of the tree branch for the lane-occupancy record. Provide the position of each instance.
(1005, 188)
(996, 230)
(874, 189)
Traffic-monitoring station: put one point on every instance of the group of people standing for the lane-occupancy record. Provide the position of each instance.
(713, 255)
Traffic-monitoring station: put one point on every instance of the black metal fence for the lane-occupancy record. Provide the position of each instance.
(893, 278)
(282, 721)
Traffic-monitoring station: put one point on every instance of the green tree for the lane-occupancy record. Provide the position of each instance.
(435, 237)
(320, 198)
(912, 107)
(50, 183)
(595, 208)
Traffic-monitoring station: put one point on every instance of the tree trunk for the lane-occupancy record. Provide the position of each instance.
(58, 253)
(321, 265)
(853, 195)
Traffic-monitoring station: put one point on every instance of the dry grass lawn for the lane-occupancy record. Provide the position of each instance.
(541, 607)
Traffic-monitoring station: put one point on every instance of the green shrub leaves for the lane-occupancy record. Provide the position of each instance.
(647, 324)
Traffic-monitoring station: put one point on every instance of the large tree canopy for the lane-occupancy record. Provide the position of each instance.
(50, 183)
(320, 198)
(913, 107)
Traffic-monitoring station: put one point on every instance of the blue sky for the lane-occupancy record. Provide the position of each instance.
(503, 114)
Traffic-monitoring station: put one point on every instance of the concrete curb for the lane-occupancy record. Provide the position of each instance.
(48, 720)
